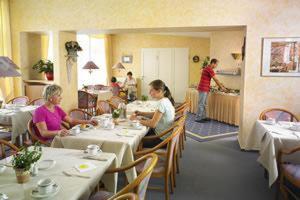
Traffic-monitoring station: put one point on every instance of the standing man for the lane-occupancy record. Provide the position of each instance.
(204, 88)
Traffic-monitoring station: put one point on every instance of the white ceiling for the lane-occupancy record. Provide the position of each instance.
(188, 34)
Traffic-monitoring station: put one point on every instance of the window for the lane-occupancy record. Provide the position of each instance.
(93, 49)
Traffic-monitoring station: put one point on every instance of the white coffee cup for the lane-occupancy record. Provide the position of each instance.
(135, 124)
(92, 149)
(75, 130)
(45, 186)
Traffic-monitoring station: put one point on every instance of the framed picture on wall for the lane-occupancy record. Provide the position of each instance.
(281, 57)
(127, 59)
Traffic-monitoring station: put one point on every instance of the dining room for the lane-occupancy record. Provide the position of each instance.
(149, 100)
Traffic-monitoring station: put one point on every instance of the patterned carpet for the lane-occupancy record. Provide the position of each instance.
(208, 131)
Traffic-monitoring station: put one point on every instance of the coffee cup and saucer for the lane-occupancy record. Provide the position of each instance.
(75, 130)
(136, 124)
(45, 188)
(92, 150)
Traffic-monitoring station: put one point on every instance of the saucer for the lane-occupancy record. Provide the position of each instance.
(46, 164)
(35, 194)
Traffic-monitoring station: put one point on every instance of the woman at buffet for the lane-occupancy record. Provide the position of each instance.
(164, 115)
(48, 117)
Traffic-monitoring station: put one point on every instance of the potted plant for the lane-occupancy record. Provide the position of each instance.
(23, 160)
(45, 66)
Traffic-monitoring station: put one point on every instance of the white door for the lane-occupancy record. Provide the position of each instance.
(149, 69)
(165, 67)
(181, 73)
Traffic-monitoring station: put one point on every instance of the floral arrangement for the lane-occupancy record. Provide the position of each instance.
(144, 98)
(26, 157)
(116, 113)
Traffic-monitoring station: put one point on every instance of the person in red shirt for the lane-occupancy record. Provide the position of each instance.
(204, 88)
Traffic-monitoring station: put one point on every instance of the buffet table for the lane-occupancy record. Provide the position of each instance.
(223, 107)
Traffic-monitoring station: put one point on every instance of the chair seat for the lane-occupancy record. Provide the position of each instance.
(5, 135)
(101, 195)
(292, 173)
(158, 169)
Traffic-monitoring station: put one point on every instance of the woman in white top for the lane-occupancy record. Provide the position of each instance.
(130, 86)
(163, 117)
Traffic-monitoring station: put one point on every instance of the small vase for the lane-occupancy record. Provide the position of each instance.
(49, 76)
(22, 175)
(115, 120)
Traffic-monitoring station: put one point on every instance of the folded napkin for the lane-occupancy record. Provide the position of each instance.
(84, 167)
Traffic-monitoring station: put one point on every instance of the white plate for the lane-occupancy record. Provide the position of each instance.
(46, 164)
(35, 194)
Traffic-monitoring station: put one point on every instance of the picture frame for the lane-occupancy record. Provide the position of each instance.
(127, 59)
(281, 57)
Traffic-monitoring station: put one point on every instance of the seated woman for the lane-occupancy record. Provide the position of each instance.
(48, 117)
(115, 86)
(163, 117)
(130, 86)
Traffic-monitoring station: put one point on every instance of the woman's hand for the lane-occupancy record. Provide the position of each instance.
(93, 122)
(133, 117)
(63, 132)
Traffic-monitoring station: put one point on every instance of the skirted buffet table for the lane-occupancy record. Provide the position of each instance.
(223, 107)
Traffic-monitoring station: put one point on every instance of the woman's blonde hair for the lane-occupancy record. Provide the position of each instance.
(51, 90)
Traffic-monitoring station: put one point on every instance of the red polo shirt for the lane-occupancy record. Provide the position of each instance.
(207, 74)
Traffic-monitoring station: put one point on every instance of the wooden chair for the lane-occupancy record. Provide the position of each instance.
(6, 146)
(79, 114)
(139, 185)
(19, 100)
(128, 196)
(32, 132)
(278, 114)
(104, 107)
(37, 102)
(115, 101)
(164, 168)
(289, 182)
(87, 101)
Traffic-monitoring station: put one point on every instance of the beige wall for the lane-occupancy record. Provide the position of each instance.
(131, 44)
(267, 18)
(222, 44)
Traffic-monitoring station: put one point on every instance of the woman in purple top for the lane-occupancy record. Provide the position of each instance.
(48, 117)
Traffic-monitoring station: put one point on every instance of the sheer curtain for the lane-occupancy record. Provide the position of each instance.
(108, 55)
(93, 50)
(6, 84)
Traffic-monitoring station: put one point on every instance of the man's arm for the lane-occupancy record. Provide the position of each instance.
(220, 84)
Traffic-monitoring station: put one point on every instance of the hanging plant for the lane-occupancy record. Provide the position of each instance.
(205, 62)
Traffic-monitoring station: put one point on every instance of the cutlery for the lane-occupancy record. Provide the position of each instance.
(125, 135)
(76, 175)
(94, 158)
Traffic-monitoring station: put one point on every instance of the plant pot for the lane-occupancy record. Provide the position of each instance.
(22, 175)
(49, 76)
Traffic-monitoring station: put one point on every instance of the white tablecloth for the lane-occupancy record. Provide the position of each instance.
(102, 94)
(273, 138)
(142, 106)
(122, 141)
(17, 119)
(71, 188)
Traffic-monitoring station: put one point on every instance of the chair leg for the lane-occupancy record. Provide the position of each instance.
(172, 182)
(180, 149)
(177, 163)
(184, 132)
(174, 177)
(167, 195)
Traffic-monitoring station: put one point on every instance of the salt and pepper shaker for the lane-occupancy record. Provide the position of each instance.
(34, 169)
